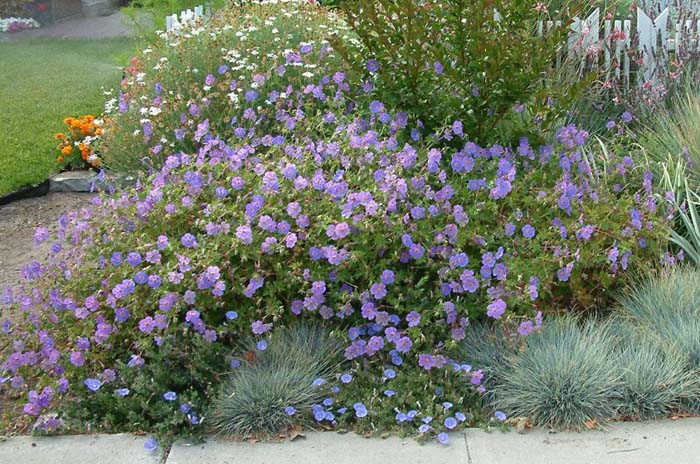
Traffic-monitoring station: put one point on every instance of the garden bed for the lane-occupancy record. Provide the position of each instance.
(338, 228)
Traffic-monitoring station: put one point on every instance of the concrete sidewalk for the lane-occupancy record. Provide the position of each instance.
(626, 443)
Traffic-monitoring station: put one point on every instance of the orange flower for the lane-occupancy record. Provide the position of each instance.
(67, 150)
(59, 136)
(59, 159)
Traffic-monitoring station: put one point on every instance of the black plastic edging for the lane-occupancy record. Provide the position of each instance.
(33, 191)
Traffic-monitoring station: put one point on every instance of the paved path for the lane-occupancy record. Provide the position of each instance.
(114, 25)
(660, 442)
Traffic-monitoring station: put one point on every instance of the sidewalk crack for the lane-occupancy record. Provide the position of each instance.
(466, 445)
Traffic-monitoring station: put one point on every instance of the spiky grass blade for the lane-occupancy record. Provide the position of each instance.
(252, 401)
(566, 377)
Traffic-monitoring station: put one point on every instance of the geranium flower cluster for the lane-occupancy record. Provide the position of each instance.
(321, 203)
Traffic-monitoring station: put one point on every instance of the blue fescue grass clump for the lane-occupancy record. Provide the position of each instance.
(279, 378)
(492, 349)
(667, 307)
(654, 380)
(567, 376)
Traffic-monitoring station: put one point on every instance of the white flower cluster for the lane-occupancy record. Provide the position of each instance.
(17, 24)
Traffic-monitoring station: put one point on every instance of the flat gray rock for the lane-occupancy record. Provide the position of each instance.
(323, 448)
(623, 443)
(84, 181)
(77, 449)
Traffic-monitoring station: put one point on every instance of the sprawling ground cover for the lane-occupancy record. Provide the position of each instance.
(281, 186)
(43, 81)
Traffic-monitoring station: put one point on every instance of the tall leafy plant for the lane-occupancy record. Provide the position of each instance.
(446, 60)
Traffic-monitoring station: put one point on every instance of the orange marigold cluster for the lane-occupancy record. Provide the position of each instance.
(78, 140)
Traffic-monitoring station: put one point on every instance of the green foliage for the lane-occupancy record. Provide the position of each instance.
(187, 365)
(675, 132)
(455, 60)
(566, 376)
(686, 205)
(252, 402)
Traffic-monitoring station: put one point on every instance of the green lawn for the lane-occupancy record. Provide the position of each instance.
(41, 82)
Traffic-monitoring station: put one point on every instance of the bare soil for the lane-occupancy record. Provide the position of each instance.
(19, 219)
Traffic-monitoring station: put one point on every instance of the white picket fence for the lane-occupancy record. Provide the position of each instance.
(642, 43)
(631, 50)
(190, 16)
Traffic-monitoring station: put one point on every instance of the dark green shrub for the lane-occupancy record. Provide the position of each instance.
(454, 59)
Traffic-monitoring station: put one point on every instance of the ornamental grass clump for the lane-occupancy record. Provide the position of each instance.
(675, 132)
(325, 204)
(667, 308)
(286, 374)
(493, 349)
(655, 381)
(567, 377)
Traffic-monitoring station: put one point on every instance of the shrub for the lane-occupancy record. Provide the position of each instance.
(336, 209)
(262, 397)
(189, 77)
(566, 377)
(455, 59)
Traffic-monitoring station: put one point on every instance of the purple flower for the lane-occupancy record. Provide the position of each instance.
(387, 277)
(151, 444)
(133, 258)
(372, 66)
(376, 106)
(123, 391)
(261, 345)
(188, 241)
(525, 328)
(443, 438)
(499, 415)
(290, 410)
(496, 309)
(450, 423)
(528, 231)
(93, 384)
(413, 319)
(170, 396)
(346, 378)
(360, 410)
(41, 234)
(259, 328)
